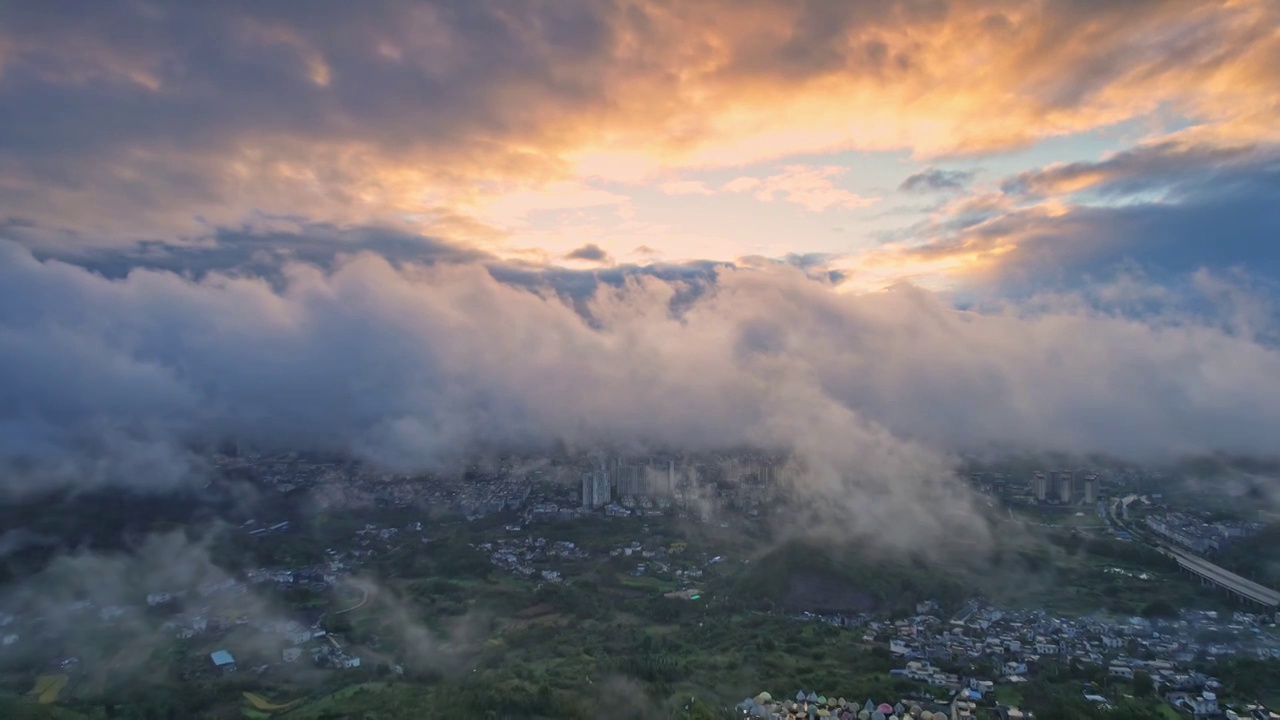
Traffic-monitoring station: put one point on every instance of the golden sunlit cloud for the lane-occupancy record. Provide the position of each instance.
(526, 130)
(809, 187)
(686, 187)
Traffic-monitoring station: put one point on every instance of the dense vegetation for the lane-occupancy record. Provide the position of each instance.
(477, 642)
(1256, 557)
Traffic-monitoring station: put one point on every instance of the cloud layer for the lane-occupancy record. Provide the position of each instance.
(1170, 207)
(312, 226)
(107, 380)
(144, 120)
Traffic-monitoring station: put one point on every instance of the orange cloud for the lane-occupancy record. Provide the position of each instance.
(685, 187)
(809, 187)
(403, 113)
(779, 79)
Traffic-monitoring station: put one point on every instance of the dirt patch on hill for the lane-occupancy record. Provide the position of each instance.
(554, 619)
(815, 593)
(535, 611)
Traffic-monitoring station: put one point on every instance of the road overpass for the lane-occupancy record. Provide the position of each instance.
(1241, 587)
(1208, 572)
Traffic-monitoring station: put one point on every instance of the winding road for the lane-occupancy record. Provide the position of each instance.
(358, 605)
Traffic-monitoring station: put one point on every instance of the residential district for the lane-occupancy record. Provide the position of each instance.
(1007, 647)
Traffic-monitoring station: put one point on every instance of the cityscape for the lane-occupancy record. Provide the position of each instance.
(948, 656)
(640, 360)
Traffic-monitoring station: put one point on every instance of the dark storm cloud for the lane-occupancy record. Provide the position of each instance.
(935, 180)
(591, 252)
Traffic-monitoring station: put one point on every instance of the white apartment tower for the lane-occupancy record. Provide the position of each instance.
(1090, 489)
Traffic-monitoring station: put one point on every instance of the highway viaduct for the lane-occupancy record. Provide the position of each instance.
(1209, 573)
(1240, 587)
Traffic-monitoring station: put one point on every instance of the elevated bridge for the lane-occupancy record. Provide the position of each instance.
(1241, 587)
(1209, 573)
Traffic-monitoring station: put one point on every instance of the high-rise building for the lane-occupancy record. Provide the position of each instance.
(1090, 489)
(1040, 486)
(768, 473)
(627, 478)
(1064, 487)
(643, 484)
(596, 492)
(602, 491)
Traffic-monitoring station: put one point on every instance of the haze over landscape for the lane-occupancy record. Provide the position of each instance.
(405, 229)
(883, 241)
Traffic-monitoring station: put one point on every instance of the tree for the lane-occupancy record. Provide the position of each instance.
(1143, 685)
(699, 710)
(1159, 608)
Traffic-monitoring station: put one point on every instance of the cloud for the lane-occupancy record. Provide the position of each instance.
(311, 229)
(686, 187)
(742, 184)
(516, 207)
(1144, 168)
(589, 252)
(935, 180)
(820, 266)
(264, 252)
(809, 187)
(149, 123)
(417, 366)
(1172, 208)
(88, 603)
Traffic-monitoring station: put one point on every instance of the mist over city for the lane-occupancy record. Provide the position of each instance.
(640, 358)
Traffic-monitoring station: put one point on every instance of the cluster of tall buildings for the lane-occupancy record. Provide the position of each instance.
(1065, 487)
(619, 478)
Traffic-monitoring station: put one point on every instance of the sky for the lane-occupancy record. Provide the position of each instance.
(404, 229)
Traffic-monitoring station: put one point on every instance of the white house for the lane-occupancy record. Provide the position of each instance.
(1014, 668)
(1205, 704)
